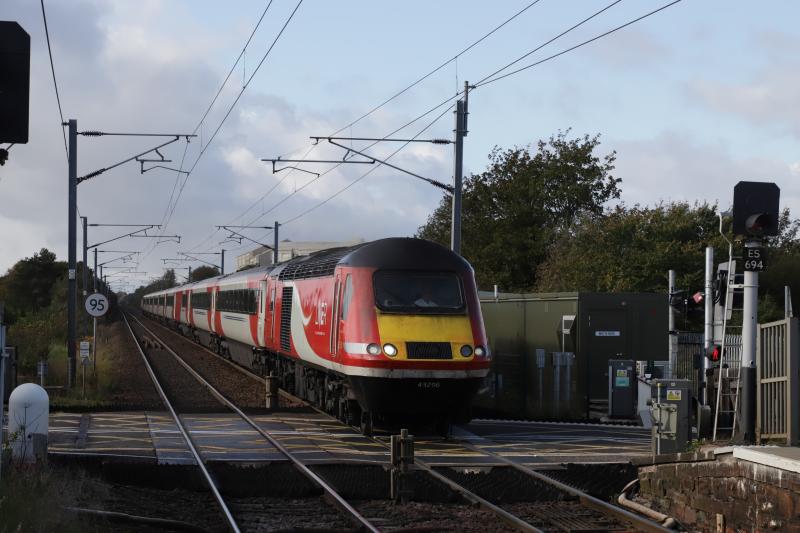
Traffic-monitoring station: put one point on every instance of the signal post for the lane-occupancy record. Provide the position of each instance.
(755, 215)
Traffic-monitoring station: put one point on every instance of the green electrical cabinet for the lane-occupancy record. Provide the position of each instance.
(550, 351)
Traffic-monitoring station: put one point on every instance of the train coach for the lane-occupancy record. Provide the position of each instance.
(390, 329)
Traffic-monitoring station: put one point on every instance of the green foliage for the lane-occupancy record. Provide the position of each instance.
(167, 281)
(515, 210)
(630, 249)
(28, 285)
(203, 272)
(34, 292)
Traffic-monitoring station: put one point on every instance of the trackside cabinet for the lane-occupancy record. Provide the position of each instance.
(670, 407)
(622, 388)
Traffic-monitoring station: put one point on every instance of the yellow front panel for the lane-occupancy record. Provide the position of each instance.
(399, 329)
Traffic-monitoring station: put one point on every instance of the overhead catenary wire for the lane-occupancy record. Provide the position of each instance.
(437, 69)
(563, 33)
(55, 81)
(230, 108)
(171, 206)
(459, 93)
(364, 175)
(486, 81)
(214, 101)
(490, 79)
(379, 106)
(368, 172)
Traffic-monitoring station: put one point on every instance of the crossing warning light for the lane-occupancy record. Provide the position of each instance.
(756, 210)
(715, 353)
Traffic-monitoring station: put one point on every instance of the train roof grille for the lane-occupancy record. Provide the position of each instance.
(316, 265)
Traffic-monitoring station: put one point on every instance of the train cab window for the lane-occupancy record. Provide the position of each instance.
(418, 292)
(347, 296)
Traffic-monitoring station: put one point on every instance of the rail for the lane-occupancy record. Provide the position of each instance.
(206, 474)
(331, 495)
(587, 500)
(470, 496)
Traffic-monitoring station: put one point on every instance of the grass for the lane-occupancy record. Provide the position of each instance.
(32, 498)
(99, 377)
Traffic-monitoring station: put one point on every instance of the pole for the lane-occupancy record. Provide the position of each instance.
(222, 264)
(189, 279)
(673, 334)
(275, 244)
(72, 213)
(94, 272)
(708, 332)
(94, 345)
(458, 170)
(787, 302)
(85, 264)
(747, 372)
(2, 382)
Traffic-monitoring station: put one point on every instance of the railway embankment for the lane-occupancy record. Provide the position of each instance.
(740, 488)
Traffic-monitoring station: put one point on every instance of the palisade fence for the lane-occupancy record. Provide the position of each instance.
(691, 344)
(778, 377)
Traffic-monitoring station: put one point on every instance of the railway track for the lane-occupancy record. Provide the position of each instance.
(565, 508)
(330, 494)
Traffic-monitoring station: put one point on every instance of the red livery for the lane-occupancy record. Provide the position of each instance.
(390, 328)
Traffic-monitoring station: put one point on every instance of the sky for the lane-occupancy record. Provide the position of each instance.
(693, 99)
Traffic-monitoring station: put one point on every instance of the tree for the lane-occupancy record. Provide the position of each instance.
(630, 249)
(28, 285)
(167, 281)
(514, 210)
(203, 272)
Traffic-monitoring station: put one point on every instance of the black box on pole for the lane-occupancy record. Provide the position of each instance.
(15, 75)
(756, 208)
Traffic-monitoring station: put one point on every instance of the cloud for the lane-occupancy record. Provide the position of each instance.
(119, 72)
(766, 95)
(632, 48)
(677, 166)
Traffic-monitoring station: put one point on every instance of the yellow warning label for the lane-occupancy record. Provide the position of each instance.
(674, 395)
(622, 373)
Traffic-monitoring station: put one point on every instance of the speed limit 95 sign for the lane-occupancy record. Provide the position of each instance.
(96, 304)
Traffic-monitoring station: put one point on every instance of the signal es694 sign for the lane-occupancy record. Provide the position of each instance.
(754, 259)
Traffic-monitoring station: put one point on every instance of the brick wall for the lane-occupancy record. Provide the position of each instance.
(749, 496)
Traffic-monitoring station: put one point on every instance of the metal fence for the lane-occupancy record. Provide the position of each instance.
(778, 375)
(691, 344)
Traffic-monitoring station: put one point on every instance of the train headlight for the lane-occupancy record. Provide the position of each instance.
(374, 349)
(480, 351)
(390, 350)
(466, 350)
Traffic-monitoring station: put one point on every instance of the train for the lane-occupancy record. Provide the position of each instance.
(380, 331)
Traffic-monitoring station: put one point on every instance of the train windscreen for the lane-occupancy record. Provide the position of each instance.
(418, 292)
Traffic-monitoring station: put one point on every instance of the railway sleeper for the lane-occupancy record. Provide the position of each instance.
(326, 390)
